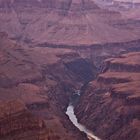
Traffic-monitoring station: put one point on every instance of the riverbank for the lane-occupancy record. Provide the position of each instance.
(73, 119)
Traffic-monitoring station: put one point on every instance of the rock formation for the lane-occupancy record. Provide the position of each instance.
(109, 105)
(70, 22)
(16, 122)
(51, 48)
(34, 77)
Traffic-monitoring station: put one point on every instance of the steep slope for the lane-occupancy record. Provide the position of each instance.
(42, 76)
(109, 105)
(70, 22)
(16, 122)
(58, 53)
(34, 76)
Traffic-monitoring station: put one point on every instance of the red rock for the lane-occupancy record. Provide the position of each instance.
(110, 104)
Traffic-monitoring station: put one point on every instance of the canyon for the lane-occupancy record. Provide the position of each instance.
(39, 85)
(49, 50)
(71, 22)
(110, 104)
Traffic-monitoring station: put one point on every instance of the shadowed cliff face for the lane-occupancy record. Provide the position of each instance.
(38, 79)
(44, 76)
(110, 105)
(70, 22)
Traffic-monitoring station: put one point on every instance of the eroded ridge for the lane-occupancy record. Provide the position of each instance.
(110, 104)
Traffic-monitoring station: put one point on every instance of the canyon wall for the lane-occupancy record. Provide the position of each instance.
(44, 76)
(109, 105)
(16, 122)
(43, 82)
(51, 48)
(68, 22)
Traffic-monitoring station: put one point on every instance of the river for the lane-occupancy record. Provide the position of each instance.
(73, 118)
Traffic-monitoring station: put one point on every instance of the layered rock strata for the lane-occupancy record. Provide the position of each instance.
(109, 105)
(34, 76)
(69, 22)
(16, 122)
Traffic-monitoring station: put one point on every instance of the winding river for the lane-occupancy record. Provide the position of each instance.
(72, 117)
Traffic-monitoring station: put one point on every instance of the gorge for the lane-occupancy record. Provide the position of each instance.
(74, 120)
(69, 70)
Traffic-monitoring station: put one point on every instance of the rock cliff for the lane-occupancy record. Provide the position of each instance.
(34, 76)
(109, 105)
(51, 48)
(69, 22)
(16, 122)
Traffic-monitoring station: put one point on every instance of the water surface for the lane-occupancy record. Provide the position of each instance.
(72, 117)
